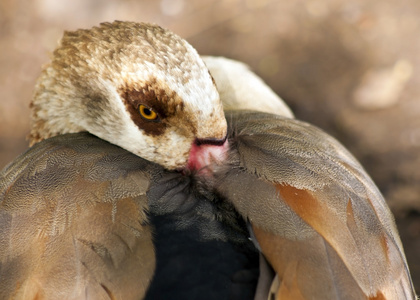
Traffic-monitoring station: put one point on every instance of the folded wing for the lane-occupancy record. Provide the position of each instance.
(319, 219)
(73, 223)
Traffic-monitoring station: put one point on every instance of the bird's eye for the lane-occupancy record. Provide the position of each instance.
(147, 113)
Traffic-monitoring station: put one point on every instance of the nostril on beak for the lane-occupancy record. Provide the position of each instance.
(210, 141)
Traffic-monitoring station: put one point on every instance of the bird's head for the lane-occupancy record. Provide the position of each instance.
(134, 85)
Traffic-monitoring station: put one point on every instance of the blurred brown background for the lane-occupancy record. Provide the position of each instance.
(350, 67)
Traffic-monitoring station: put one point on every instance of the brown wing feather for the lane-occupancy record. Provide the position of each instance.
(74, 228)
(318, 217)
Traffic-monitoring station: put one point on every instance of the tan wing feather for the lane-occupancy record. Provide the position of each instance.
(74, 228)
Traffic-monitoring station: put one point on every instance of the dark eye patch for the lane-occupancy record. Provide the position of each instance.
(161, 100)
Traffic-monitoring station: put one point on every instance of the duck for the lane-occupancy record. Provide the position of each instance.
(139, 185)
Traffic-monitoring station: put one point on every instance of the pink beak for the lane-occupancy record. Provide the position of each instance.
(205, 152)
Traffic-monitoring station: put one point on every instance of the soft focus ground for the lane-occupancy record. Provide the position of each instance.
(350, 67)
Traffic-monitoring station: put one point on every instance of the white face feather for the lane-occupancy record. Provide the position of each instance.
(116, 67)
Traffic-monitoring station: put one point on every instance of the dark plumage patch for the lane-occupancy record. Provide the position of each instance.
(202, 245)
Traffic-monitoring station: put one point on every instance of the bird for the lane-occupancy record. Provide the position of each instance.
(139, 186)
(145, 90)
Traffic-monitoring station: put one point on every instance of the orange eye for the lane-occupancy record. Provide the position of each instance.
(147, 113)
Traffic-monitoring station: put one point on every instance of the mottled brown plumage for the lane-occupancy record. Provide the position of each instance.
(73, 222)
